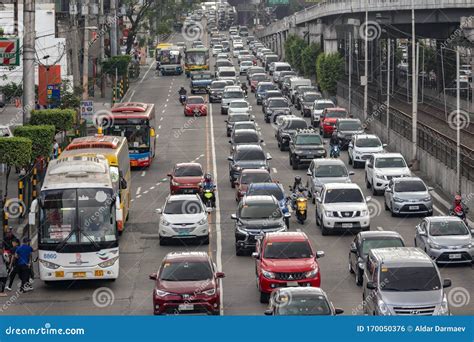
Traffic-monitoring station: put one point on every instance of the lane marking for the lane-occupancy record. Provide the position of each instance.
(380, 228)
(143, 173)
(152, 188)
(161, 119)
(159, 127)
(138, 196)
(145, 192)
(274, 170)
(138, 190)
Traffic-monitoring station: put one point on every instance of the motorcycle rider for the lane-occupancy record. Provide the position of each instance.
(333, 142)
(182, 94)
(208, 184)
(459, 208)
(244, 87)
(297, 182)
(10, 240)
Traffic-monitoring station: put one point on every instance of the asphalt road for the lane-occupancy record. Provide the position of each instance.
(181, 139)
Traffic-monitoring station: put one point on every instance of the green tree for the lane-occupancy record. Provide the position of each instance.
(308, 56)
(61, 119)
(329, 70)
(296, 48)
(287, 46)
(41, 137)
(16, 152)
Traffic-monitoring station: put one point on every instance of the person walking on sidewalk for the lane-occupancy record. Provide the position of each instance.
(23, 258)
(3, 275)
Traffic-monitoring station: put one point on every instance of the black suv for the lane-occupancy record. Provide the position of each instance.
(247, 157)
(276, 105)
(256, 216)
(288, 127)
(244, 137)
(346, 128)
(268, 95)
(215, 90)
(306, 102)
(305, 145)
(299, 91)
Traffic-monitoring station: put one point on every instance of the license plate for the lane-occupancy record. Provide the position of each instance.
(310, 156)
(455, 256)
(183, 233)
(59, 274)
(292, 283)
(185, 307)
(99, 273)
(79, 274)
(414, 207)
(347, 225)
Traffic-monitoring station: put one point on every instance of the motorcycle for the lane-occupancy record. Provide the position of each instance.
(7, 256)
(209, 197)
(299, 202)
(459, 211)
(335, 151)
(182, 99)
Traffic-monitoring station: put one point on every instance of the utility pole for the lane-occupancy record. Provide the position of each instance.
(389, 56)
(76, 74)
(85, 63)
(413, 85)
(28, 59)
(113, 28)
(458, 122)
(101, 47)
(366, 61)
(15, 18)
(350, 70)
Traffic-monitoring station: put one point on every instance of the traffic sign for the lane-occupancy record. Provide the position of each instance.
(54, 95)
(87, 111)
(9, 52)
(278, 2)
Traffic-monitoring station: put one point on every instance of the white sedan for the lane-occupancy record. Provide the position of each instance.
(239, 107)
(244, 66)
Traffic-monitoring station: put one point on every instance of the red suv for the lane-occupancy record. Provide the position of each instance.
(250, 176)
(285, 259)
(329, 118)
(187, 282)
(186, 178)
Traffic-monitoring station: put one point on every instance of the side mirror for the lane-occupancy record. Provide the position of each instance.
(123, 183)
(229, 158)
(220, 275)
(255, 255)
(209, 210)
(237, 183)
(169, 175)
(269, 157)
(371, 285)
(338, 311)
(368, 198)
(268, 312)
(353, 248)
(261, 140)
(153, 276)
(159, 211)
(446, 283)
(309, 173)
(320, 254)
(369, 165)
(384, 145)
(233, 217)
(32, 213)
(351, 173)
(318, 199)
(430, 188)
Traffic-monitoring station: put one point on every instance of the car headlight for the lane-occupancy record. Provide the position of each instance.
(469, 245)
(312, 273)
(241, 230)
(426, 199)
(397, 200)
(210, 292)
(298, 151)
(384, 310)
(161, 293)
(165, 223)
(444, 307)
(329, 213)
(379, 175)
(109, 262)
(238, 168)
(48, 264)
(434, 245)
(268, 275)
(174, 183)
(203, 221)
(364, 213)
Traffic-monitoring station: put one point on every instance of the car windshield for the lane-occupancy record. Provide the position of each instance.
(302, 305)
(238, 117)
(233, 95)
(336, 114)
(308, 140)
(260, 211)
(179, 207)
(256, 70)
(311, 97)
(274, 191)
(238, 104)
(218, 47)
(250, 155)
(186, 271)
(280, 103)
(369, 244)
(223, 63)
(188, 171)
(284, 68)
(202, 77)
(259, 77)
(350, 126)
(410, 278)
(444, 228)
(246, 125)
(253, 177)
(323, 105)
(410, 186)
(246, 63)
(382, 163)
(226, 73)
(368, 142)
(218, 85)
(264, 87)
(195, 100)
(343, 196)
(288, 250)
(296, 124)
(247, 137)
(322, 171)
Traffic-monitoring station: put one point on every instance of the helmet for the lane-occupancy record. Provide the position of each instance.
(297, 180)
(457, 198)
(301, 187)
(207, 177)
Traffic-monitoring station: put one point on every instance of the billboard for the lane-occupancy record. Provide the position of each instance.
(9, 51)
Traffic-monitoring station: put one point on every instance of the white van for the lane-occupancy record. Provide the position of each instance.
(226, 73)
(277, 67)
(296, 81)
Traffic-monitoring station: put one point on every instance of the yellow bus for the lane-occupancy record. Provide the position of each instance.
(115, 150)
(161, 46)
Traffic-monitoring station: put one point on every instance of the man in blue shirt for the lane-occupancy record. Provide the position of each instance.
(23, 260)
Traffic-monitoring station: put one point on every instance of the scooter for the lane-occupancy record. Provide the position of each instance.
(182, 99)
(335, 151)
(460, 212)
(299, 202)
(209, 197)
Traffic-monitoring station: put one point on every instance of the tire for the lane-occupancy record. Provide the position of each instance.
(317, 219)
(239, 251)
(163, 241)
(232, 184)
(350, 266)
(264, 297)
(324, 230)
(367, 184)
(385, 205)
(205, 241)
(374, 191)
(281, 147)
(394, 214)
(350, 162)
(291, 160)
(295, 165)
(287, 222)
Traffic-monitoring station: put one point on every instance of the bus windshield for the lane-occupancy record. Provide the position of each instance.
(77, 216)
(196, 58)
(138, 136)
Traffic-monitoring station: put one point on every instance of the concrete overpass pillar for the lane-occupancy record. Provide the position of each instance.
(315, 32)
(330, 39)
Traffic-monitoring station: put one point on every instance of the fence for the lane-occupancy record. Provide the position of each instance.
(430, 140)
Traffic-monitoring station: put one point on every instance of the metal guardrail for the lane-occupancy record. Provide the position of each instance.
(430, 140)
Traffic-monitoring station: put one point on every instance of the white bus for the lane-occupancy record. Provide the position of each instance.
(76, 216)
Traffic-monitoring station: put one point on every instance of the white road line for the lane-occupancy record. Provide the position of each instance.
(145, 192)
(164, 110)
(138, 196)
(159, 127)
(298, 230)
(166, 105)
(144, 76)
(143, 173)
(380, 228)
(131, 95)
(167, 99)
(152, 188)
(161, 119)
(217, 211)
(274, 170)
(138, 190)
(157, 135)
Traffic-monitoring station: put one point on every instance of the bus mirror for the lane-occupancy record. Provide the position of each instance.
(32, 213)
(152, 132)
(123, 183)
(118, 213)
